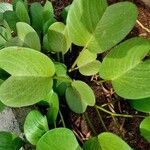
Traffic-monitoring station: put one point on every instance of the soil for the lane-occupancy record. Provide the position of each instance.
(127, 128)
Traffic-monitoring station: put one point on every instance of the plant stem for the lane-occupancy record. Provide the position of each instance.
(101, 119)
(62, 119)
(75, 62)
(89, 122)
(58, 56)
(118, 115)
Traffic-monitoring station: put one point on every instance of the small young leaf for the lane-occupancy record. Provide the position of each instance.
(11, 18)
(145, 128)
(92, 144)
(53, 109)
(36, 11)
(58, 139)
(47, 24)
(48, 11)
(98, 27)
(142, 105)
(58, 38)
(64, 13)
(31, 71)
(110, 141)
(60, 86)
(76, 97)
(2, 106)
(9, 141)
(87, 63)
(28, 36)
(35, 126)
(22, 12)
(5, 7)
(125, 68)
(14, 42)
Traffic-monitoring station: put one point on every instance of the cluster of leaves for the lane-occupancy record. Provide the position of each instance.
(27, 76)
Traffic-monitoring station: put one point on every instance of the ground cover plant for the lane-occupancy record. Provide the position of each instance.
(33, 71)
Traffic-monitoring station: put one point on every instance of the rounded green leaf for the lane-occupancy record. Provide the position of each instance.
(11, 18)
(30, 70)
(92, 144)
(9, 141)
(58, 139)
(110, 141)
(145, 128)
(53, 101)
(58, 38)
(36, 11)
(97, 27)
(142, 105)
(2, 106)
(79, 95)
(5, 7)
(35, 126)
(87, 63)
(28, 36)
(48, 11)
(125, 67)
(22, 12)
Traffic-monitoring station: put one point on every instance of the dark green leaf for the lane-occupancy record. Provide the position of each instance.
(145, 128)
(142, 105)
(36, 11)
(9, 141)
(12, 19)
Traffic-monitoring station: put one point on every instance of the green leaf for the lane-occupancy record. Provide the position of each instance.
(30, 70)
(53, 109)
(47, 24)
(58, 38)
(9, 141)
(22, 12)
(125, 68)
(97, 27)
(145, 128)
(4, 36)
(87, 63)
(4, 33)
(11, 18)
(14, 42)
(110, 141)
(58, 139)
(76, 97)
(142, 105)
(28, 36)
(5, 7)
(48, 11)
(92, 144)
(64, 13)
(35, 126)
(36, 11)
(2, 106)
